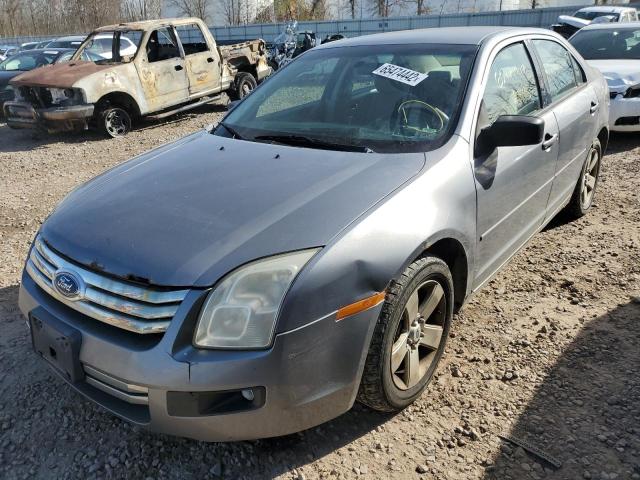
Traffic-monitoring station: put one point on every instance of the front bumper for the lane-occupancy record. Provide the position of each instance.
(54, 119)
(309, 375)
(624, 114)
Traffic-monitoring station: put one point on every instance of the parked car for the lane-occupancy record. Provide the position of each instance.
(71, 41)
(568, 24)
(614, 49)
(8, 51)
(43, 44)
(28, 46)
(29, 60)
(162, 67)
(256, 279)
(289, 44)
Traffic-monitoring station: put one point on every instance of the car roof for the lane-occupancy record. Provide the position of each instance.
(445, 35)
(607, 8)
(611, 26)
(48, 50)
(70, 38)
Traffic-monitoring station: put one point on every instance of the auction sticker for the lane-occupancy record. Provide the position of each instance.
(400, 74)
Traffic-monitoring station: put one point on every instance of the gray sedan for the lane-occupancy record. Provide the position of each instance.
(310, 251)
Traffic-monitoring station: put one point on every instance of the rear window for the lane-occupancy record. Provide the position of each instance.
(622, 43)
(192, 39)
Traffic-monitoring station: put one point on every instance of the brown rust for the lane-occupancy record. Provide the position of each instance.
(61, 75)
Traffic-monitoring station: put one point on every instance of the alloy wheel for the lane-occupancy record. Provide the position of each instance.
(419, 335)
(590, 178)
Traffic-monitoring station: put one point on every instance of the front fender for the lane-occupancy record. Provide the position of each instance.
(439, 203)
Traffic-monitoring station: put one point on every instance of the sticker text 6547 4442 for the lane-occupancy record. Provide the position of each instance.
(400, 74)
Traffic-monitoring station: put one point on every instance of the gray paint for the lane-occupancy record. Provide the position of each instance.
(188, 212)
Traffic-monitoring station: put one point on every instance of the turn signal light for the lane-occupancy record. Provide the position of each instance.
(360, 305)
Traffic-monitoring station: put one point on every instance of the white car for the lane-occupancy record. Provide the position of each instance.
(102, 45)
(567, 25)
(614, 49)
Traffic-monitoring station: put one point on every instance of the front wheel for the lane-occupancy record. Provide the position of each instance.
(410, 336)
(585, 189)
(114, 121)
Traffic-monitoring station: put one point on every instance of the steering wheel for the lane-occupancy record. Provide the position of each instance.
(418, 118)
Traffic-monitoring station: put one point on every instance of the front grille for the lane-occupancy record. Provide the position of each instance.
(115, 302)
(628, 121)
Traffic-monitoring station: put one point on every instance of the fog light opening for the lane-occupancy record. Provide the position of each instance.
(248, 394)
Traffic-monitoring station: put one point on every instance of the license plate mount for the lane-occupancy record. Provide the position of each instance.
(58, 343)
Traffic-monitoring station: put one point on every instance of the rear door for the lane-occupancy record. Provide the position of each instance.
(203, 70)
(574, 103)
(162, 70)
(512, 183)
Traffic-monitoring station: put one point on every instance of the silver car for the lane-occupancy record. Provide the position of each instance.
(310, 251)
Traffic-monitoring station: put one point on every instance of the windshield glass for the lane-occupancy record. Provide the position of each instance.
(608, 44)
(101, 45)
(28, 61)
(593, 15)
(385, 98)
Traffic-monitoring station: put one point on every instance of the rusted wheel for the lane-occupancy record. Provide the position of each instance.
(114, 121)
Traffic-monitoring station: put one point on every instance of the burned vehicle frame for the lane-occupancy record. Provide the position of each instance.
(176, 66)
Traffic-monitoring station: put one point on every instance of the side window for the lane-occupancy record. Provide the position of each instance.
(580, 75)
(558, 66)
(192, 39)
(512, 88)
(162, 45)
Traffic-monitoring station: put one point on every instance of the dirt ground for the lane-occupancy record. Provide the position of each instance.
(548, 353)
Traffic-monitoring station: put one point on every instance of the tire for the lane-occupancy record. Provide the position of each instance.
(581, 202)
(113, 121)
(381, 387)
(244, 84)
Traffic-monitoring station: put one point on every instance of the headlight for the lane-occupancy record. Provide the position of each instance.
(241, 311)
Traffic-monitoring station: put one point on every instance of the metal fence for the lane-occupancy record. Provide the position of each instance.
(540, 17)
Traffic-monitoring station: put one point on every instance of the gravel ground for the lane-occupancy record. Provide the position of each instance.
(549, 353)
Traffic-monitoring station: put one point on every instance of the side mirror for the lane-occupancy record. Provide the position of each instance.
(517, 130)
(510, 131)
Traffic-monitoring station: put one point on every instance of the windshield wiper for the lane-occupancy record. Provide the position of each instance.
(301, 140)
(231, 130)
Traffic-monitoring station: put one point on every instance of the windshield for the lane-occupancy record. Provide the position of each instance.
(592, 15)
(385, 98)
(608, 44)
(101, 45)
(28, 61)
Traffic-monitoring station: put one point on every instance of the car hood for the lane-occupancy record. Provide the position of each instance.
(59, 75)
(191, 211)
(573, 21)
(620, 74)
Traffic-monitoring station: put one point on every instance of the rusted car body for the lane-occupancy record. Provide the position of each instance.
(176, 66)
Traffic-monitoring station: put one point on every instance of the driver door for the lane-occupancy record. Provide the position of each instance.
(162, 71)
(512, 183)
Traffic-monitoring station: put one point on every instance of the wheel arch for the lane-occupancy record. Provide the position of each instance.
(122, 99)
(603, 136)
(451, 249)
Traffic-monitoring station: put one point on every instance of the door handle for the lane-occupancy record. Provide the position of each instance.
(549, 140)
(210, 60)
(594, 107)
(178, 68)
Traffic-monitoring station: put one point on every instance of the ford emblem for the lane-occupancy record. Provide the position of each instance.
(68, 284)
